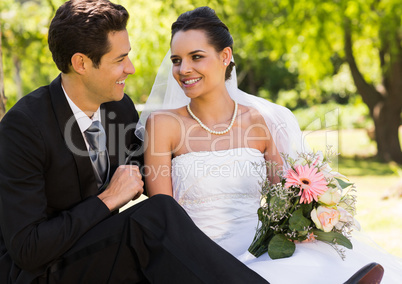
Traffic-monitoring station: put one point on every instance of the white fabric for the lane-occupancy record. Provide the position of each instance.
(167, 94)
(220, 192)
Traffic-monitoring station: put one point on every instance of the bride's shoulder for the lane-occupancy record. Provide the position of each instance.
(166, 117)
(250, 114)
(166, 114)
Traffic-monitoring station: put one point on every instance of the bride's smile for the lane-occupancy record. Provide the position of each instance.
(197, 67)
(190, 82)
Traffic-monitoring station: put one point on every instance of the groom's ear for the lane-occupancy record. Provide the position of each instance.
(79, 62)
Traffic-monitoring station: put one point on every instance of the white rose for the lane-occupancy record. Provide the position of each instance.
(331, 197)
(325, 218)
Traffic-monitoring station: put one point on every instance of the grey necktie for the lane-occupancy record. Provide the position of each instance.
(96, 138)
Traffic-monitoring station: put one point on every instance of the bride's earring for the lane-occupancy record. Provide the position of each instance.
(224, 63)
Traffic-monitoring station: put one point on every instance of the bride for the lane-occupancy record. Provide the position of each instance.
(202, 146)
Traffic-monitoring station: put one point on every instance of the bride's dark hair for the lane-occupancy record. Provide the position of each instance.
(205, 18)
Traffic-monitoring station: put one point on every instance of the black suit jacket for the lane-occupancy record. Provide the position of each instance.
(47, 184)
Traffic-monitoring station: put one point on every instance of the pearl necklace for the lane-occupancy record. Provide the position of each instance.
(210, 130)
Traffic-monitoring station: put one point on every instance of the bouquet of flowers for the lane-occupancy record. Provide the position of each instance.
(311, 202)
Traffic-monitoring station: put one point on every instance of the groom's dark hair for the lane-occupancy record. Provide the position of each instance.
(205, 18)
(83, 26)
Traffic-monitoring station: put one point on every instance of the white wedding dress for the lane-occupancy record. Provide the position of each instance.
(220, 190)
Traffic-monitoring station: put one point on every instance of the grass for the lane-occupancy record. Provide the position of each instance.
(379, 217)
(378, 212)
(363, 167)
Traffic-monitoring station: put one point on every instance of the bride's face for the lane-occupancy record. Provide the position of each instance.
(197, 67)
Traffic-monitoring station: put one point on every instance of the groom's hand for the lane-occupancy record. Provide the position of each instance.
(125, 185)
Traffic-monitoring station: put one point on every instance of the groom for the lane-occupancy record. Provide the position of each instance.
(61, 184)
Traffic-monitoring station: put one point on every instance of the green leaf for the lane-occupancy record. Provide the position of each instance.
(280, 247)
(333, 237)
(260, 213)
(306, 208)
(343, 183)
(297, 222)
(276, 202)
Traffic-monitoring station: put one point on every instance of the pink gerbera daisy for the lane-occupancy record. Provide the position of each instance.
(310, 182)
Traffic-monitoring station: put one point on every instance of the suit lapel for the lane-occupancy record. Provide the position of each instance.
(112, 137)
(109, 133)
(73, 138)
(104, 124)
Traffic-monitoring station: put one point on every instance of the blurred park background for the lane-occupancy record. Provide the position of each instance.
(336, 64)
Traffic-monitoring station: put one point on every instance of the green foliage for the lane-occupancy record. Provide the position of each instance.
(11, 100)
(290, 52)
(297, 222)
(333, 116)
(149, 32)
(280, 247)
(333, 238)
(25, 43)
(343, 184)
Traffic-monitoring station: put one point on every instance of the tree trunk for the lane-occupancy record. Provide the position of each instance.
(17, 78)
(386, 121)
(3, 98)
(385, 107)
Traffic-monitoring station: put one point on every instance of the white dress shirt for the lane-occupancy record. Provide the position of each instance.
(83, 120)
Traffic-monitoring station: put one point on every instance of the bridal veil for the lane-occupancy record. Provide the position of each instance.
(283, 126)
